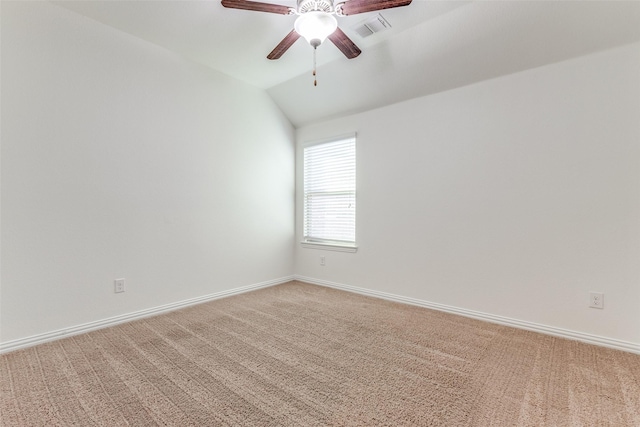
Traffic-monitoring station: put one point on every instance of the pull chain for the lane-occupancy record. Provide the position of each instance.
(315, 81)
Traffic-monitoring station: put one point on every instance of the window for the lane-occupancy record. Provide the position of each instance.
(330, 193)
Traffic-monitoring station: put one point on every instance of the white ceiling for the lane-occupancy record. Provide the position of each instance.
(433, 45)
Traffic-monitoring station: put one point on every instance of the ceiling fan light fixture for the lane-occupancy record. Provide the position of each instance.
(315, 26)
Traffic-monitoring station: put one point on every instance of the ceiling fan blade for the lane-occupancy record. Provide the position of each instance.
(285, 44)
(344, 43)
(257, 6)
(352, 7)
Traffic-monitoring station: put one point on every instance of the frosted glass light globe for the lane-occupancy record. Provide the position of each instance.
(315, 27)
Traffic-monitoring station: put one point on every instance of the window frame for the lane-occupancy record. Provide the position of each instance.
(320, 243)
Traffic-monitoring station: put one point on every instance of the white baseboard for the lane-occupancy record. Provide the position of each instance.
(8, 346)
(521, 324)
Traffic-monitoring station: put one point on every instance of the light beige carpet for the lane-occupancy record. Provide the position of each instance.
(303, 355)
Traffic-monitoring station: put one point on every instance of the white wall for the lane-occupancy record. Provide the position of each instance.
(514, 197)
(120, 159)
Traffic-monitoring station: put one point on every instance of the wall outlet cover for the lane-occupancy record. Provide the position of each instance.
(596, 300)
(118, 286)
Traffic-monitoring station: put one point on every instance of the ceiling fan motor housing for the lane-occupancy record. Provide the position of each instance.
(305, 6)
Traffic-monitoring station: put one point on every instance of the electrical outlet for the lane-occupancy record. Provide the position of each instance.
(118, 286)
(323, 261)
(596, 300)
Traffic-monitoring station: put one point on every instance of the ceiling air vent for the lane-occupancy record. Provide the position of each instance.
(372, 26)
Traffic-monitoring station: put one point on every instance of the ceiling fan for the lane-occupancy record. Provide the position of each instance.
(316, 21)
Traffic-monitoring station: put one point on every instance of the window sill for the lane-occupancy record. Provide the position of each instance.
(340, 247)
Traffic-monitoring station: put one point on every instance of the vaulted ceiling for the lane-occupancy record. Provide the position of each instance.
(432, 46)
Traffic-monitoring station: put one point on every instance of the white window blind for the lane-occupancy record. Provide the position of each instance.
(330, 192)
